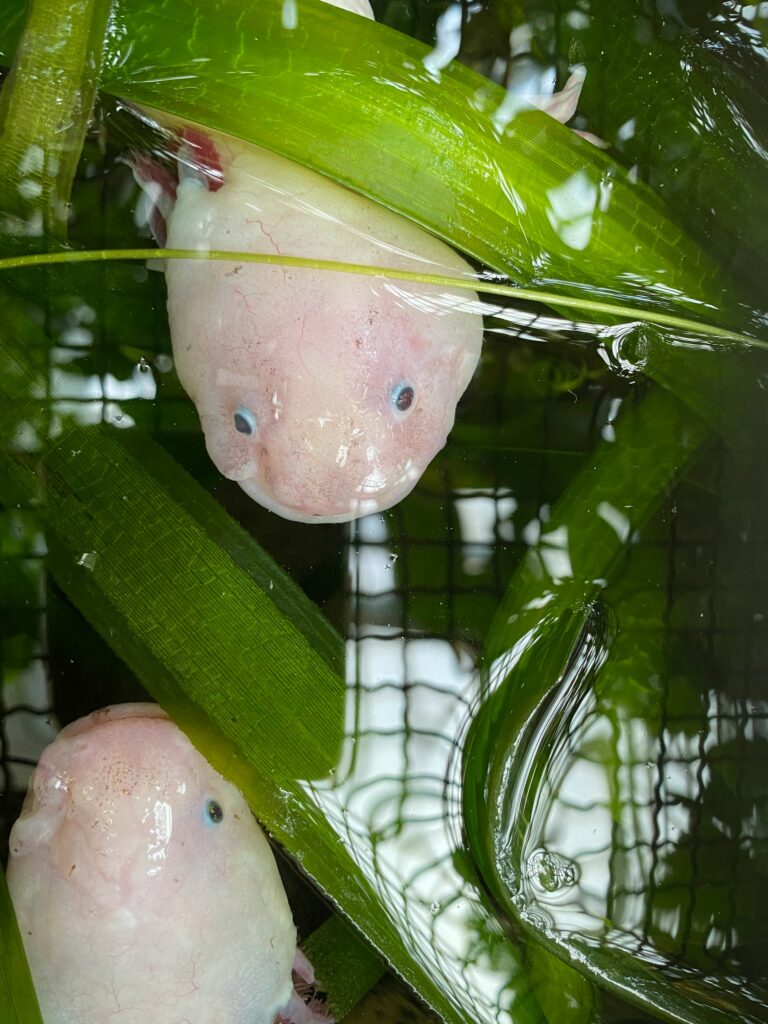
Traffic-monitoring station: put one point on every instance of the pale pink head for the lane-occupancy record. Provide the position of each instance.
(340, 416)
(144, 888)
(324, 394)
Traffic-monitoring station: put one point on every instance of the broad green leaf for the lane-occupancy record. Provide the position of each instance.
(346, 967)
(543, 629)
(679, 92)
(566, 996)
(522, 194)
(582, 544)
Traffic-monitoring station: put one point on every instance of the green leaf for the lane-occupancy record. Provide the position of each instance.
(543, 632)
(45, 106)
(522, 194)
(677, 91)
(346, 968)
(586, 536)
(18, 1003)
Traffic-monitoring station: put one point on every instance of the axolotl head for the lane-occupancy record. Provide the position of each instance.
(324, 394)
(144, 888)
(331, 401)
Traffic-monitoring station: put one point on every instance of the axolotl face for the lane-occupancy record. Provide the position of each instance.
(324, 395)
(144, 888)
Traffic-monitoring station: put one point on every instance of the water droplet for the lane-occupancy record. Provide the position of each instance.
(88, 560)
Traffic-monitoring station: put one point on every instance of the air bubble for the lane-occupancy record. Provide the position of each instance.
(88, 560)
(550, 872)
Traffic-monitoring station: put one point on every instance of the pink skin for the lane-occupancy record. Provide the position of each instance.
(133, 903)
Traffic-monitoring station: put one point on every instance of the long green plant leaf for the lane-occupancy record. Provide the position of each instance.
(680, 92)
(541, 631)
(38, 158)
(516, 190)
(18, 1003)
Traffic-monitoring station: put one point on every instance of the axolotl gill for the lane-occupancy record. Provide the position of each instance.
(145, 890)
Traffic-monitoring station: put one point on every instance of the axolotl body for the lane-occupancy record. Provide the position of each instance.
(324, 395)
(145, 890)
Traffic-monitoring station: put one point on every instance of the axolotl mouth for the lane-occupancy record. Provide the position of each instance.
(329, 510)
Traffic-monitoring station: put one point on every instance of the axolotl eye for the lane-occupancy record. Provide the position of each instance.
(244, 421)
(401, 397)
(214, 812)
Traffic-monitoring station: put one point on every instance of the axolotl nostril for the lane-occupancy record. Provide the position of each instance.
(146, 892)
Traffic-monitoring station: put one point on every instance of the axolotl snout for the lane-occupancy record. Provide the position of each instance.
(324, 395)
(146, 892)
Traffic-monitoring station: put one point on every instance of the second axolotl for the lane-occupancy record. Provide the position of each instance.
(145, 891)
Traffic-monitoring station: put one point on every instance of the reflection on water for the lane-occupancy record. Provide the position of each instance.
(409, 697)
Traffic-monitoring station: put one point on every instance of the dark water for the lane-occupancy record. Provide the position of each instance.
(579, 781)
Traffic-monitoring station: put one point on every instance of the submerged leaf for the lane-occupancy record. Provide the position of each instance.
(18, 1003)
(45, 107)
(447, 148)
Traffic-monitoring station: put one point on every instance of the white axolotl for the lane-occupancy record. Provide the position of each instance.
(145, 891)
(324, 395)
